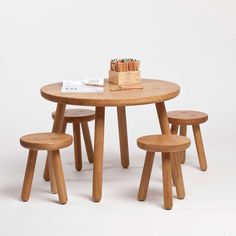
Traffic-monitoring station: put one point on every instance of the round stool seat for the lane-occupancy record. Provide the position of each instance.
(163, 143)
(77, 115)
(46, 141)
(187, 117)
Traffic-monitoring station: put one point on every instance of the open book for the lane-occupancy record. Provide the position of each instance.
(83, 86)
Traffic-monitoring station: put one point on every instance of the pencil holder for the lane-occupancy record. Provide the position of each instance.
(121, 78)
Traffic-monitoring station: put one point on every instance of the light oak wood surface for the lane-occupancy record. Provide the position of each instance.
(146, 174)
(57, 128)
(87, 141)
(79, 119)
(183, 132)
(154, 91)
(77, 115)
(77, 146)
(52, 177)
(174, 129)
(123, 136)
(169, 146)
(200, 147)
(163, 143)
(167, 183)
(184, 117)
(59, 176)
(98, 153)
(51, 142)
(177, 176)
(46, 141)
(29, 173)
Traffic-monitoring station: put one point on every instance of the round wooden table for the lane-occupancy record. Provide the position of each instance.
(154, 91)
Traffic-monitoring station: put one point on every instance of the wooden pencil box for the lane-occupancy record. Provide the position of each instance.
(121, 78)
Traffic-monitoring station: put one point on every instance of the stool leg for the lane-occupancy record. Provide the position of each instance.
(147, 169)
(87, 141)
(61, 187)
(200, 147)
(46, 171)
(52, 173)
(57, 124)
(77, 146)
(166, 173)
(177, 175)
(174, 129)
(64, 126)
(183, 132)
(29, 173)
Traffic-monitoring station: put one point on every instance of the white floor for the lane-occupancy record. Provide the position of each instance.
(208, 209)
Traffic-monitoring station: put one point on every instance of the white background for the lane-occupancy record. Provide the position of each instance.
(192, 43)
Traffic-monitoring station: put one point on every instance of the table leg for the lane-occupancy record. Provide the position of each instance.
(98, 153)
(57, 126)
(163, 120)
(165, 129)
(124, 149)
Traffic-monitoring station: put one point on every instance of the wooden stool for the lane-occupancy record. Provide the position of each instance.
(79, 117)
(168, 145)
(194, 118)
(51, 142)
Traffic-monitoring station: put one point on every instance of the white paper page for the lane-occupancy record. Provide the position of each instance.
(83, 86)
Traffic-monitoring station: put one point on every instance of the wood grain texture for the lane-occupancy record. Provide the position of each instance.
(29, 173)
(46, 170)
(177, 176)
(46, 141)
(59, 118)
(162, 116)
(153, 91)
(57, 128)
(77, 115)
(87, 141)
(174, 129)
(184, 117)
(200, 147)
(64, 126)
(77, 146)
(98, 153)
(164, 124)
(183, 132)
(123, 136)
(147, 169)
(59, 177)
(167, 186)
(163, 143)
(123, 78)
(52, 177)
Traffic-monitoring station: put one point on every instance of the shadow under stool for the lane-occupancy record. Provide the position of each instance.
(180, 120)
(169, 146)
(51, 142)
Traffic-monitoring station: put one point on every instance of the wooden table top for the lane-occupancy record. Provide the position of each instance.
(154, 91)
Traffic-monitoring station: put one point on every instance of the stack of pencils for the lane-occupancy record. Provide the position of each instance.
(124, 65)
